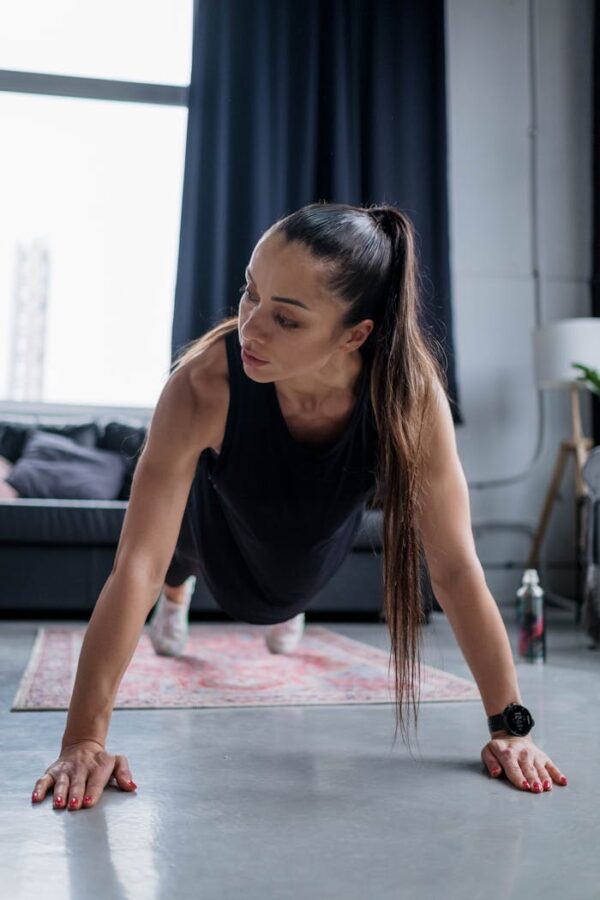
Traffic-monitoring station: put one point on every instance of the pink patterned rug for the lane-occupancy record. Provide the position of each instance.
(229, 664)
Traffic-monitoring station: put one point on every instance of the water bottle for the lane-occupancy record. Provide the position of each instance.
(530, 618)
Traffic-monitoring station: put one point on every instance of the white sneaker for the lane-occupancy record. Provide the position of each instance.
(169, 626)
(285, 636)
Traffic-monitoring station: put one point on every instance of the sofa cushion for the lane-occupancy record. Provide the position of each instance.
(5, 467)
(7, 492)
(14, 434)
(54, 466)
(125, 437)
(36, 522)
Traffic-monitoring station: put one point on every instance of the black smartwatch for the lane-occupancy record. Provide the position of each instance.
(515, 719)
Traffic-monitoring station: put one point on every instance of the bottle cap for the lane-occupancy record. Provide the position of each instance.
(530, 576)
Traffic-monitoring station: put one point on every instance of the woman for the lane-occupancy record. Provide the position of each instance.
(331, 308)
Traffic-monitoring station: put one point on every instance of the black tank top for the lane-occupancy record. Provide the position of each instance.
(274, 518)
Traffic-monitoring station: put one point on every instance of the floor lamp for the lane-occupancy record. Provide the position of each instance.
(556, 346)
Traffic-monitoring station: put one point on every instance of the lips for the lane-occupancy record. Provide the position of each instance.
(257, 358)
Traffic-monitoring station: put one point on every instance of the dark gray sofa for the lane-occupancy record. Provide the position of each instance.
(55, 554)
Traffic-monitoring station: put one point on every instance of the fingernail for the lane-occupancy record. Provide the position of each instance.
(563, 779)
(87, 799)
(132, 783)
(526, 785)
(495, 771)
(547, 786)
(537, 786)
(73, 801)
(34, 796)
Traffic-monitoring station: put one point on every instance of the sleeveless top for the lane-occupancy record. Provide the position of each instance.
(273, 519)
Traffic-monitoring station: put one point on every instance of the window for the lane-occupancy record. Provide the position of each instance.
(91, 189)
(129, 40)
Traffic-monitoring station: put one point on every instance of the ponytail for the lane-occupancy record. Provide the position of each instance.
(403, 376)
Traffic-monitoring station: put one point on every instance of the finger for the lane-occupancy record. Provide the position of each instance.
(76, 791)
(61, 790)
(94, 788)
(526, 762)
(41, 786)
(555, 773)
(122, 773)
(490, 762)
(97, 782)
(543, 776)
(515, 772)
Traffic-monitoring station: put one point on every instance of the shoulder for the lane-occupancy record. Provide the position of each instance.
(207, 379)
(440, 435)
(209, 371)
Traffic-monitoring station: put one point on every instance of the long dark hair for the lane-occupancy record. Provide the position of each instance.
(371, 266)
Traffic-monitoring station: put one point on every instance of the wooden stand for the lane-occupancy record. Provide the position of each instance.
(580, 446)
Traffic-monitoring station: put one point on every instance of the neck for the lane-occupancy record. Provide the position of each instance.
(325, 389)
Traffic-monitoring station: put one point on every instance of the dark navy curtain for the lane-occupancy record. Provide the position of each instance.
(316, 100)
(596, 202)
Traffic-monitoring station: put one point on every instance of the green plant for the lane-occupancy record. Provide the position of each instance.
(591, 377)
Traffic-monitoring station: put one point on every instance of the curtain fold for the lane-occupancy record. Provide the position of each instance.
(296, 102)
(595, 285)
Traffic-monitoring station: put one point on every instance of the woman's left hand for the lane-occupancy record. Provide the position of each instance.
(528, 767)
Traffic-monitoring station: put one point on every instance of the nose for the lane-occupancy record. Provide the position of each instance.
(252, 330)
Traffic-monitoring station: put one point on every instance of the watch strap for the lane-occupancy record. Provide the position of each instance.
(497, 723)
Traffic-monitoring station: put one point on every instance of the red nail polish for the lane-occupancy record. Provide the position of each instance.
(87, 799)
(132, 784)
(526, 785)
(563, 779)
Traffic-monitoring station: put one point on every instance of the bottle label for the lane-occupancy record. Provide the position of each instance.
(532, 637)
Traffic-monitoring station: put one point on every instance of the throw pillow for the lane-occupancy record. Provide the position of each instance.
(6, 491)
(54, 466)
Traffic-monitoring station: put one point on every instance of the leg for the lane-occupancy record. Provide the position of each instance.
(169, 625)
(175, 594)
(184, 562)
(285, 636)
(181, 567)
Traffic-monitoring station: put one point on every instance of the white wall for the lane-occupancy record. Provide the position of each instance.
(518, 201)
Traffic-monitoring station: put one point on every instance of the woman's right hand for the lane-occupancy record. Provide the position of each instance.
(80, 774)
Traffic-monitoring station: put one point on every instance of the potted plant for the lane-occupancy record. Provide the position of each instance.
(590, 377)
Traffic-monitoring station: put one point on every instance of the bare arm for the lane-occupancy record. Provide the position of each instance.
(110, 640)
(457, 575)
(161, 484)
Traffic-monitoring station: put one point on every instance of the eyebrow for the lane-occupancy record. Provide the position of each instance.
(275, 297)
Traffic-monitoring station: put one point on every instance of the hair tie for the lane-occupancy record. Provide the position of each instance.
(384, 217)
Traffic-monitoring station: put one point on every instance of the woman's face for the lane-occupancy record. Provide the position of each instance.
(287, 318)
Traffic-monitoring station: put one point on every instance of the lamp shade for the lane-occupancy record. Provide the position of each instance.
(557, 345)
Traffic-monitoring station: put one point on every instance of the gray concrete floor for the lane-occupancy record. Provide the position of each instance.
(310, 802)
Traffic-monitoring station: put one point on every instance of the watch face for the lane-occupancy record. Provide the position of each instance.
(519, 719)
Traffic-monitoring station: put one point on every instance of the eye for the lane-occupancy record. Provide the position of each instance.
(285, 323)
